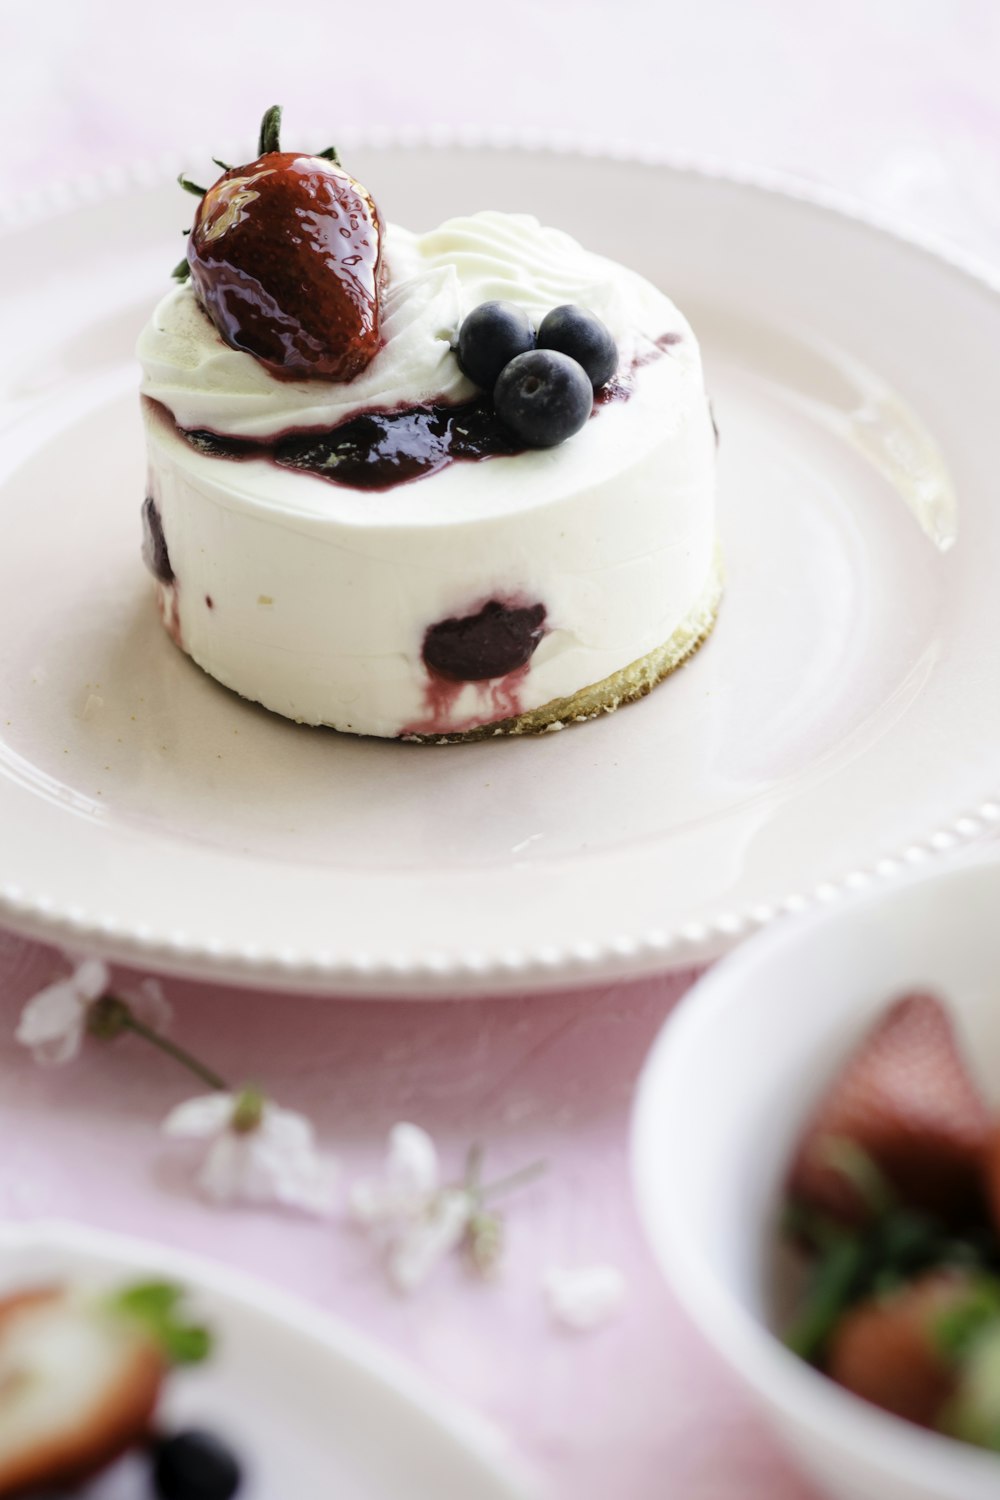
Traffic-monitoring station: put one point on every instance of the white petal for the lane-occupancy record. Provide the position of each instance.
(52, 1023)
(226, 1174)
(268, 1165)
(413, 1256)
(411, 1163)
(585, 1297)
(310, 1186)
(286, 1130)
(201, 1118)
(91, 979)
(408, 1184)
(150, 1005)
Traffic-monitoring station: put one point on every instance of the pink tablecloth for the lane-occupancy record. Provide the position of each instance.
(896, 102)
(610, 1413)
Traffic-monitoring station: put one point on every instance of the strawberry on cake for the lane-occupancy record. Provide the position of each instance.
(434, 486)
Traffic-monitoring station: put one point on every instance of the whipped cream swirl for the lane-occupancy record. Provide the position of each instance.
(433, 281)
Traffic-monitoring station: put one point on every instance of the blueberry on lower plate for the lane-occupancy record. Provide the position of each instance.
(543, 397)
(194, 1465)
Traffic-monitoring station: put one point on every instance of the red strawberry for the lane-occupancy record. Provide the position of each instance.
(78, 1386)
(286, 259)
(907, 1100)
(888, 1349)
(993, 1176)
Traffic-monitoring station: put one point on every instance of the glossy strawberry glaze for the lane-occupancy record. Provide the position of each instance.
(286, 259)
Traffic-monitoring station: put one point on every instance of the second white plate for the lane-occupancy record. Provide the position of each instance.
(843, 722)
(313, 1409)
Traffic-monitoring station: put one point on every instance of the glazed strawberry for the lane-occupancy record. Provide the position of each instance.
(890, 1349)
(907, 1100)
(286, 258)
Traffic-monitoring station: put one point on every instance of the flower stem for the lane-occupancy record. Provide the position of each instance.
(474, 1169)
(177, 1053)
(517, 1179)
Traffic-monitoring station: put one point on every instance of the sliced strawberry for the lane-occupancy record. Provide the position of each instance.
(908, 1102)
(993, 1175)
(889, 1351)
(78, 1386)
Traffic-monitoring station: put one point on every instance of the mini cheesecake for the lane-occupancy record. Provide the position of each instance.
(384, 554)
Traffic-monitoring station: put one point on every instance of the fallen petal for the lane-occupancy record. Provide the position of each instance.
(585, 1297)
(200, 1118)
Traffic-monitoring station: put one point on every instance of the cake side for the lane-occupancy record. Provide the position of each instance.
(325, 617)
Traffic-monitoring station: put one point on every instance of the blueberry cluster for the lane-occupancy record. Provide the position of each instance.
(543, 382)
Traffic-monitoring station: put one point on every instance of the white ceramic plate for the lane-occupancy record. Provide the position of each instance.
(721, 1105)
(313, 1409)
(844, 720)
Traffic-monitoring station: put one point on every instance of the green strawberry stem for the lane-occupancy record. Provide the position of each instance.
(182, 270)
(270, 131)
(158, 1307)
(191, 187)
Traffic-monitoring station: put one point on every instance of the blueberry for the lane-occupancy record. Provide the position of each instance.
(194, 1465)
(576, 332)
(154, 543)
(543, 397)
(492, 335)
(501, 638)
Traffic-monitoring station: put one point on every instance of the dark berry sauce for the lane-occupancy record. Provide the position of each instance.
(378, 450)
(496, 701)
(490, 650)
(154, 543)
(500, 639)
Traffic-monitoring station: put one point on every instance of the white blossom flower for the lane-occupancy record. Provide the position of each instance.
(257, 1152)
(53, 1022)
(408, 1212)
(148, 1004)
(409, 1180)
(413, 1253)
(585, 1297)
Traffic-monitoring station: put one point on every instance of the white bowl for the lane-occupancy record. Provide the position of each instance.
(721, 1100)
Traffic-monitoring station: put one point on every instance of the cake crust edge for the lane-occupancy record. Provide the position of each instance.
(627, 685)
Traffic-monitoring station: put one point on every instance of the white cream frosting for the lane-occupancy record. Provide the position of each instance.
(433, 281)
(321, 594)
